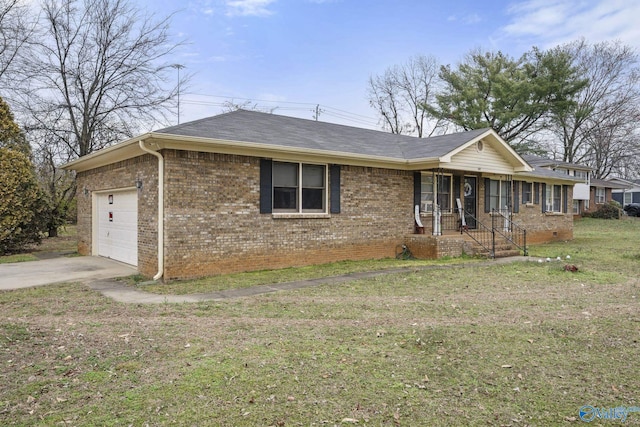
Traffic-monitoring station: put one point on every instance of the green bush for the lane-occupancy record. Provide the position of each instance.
(607, 211)
(22, 204)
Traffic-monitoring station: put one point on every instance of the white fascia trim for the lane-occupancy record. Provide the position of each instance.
(522, 165)
(179, 142)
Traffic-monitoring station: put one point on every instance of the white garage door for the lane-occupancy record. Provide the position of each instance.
(117, 230)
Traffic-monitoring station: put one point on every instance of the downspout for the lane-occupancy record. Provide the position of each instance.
(160, 209)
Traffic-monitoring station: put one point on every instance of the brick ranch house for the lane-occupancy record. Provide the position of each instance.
(248, 190)
(589, 193)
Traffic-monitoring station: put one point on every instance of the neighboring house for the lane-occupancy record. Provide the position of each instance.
(601, 192)
(582, 190)
(626, 191)
(248, 190)
(588, 194)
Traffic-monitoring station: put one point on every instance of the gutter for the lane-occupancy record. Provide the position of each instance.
(160, 272)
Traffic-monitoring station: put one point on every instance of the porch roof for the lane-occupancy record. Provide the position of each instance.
(554, 164)
(548, 174)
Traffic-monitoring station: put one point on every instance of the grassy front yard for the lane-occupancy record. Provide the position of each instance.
(518, 344)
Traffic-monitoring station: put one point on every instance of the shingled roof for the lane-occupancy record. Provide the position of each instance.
(273, 129)
(260, 134)
(553, 164)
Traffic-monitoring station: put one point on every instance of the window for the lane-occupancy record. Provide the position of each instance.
(498, 195)
(553, 198)
(444, 192)
(290, 196)
(581, 174)
(600, 195)
(576, 207)
(441, 187)
(627, 198)
(527, 192)
(426, 193)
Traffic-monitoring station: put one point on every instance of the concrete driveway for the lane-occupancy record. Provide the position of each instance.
(57, 270)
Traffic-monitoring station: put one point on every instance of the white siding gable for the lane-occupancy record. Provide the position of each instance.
(489, 160)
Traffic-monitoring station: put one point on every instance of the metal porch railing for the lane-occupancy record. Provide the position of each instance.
(510, 230)
(502, 225)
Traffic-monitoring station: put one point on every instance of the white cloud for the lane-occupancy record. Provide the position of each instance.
(248, 7)
(551, 22)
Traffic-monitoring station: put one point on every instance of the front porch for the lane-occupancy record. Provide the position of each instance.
(453, 244)
(457, 234)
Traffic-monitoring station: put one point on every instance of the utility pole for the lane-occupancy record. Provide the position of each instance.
(317, 112)
(178, 67)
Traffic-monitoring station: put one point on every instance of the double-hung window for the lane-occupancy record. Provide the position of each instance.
(430, 186)
(427, 191)
(444, 192)
(600, 195)
(582, 174)
(527, 192)
(553, 198)
(498, 195)
(299, 187)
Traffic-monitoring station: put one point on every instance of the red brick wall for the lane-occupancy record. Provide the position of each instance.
(593, 206)
(121, 175)
(213, 224)
(541, 227)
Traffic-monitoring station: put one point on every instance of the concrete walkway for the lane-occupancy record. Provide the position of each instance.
(127, 294)
(100, 273)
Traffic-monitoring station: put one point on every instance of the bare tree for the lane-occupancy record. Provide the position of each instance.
(600, 129)
(400, 94)
(230, 105)
(16, 28)
(99, 69)
(98, 72)
(612, 144)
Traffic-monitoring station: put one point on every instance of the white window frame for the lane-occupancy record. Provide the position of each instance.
(427, 196)
(553, 194)
(427, 191)
(582, 174)
(503, 196)
(600, 195)
(576, 207)
(530, 192)
(300, 188)
(627, 197)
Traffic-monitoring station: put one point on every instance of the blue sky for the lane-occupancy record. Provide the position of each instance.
(294, 54)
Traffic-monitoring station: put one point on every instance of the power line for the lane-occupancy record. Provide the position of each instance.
(316, 110)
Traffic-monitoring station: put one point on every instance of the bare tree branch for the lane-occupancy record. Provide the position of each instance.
(600, 129)
(401, 93)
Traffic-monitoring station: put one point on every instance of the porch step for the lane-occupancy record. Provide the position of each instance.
(507, 253)
(502, 251)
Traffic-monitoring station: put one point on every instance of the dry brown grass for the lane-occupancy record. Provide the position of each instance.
(519, 344)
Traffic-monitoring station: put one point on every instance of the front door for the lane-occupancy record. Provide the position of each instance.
(470, 200)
